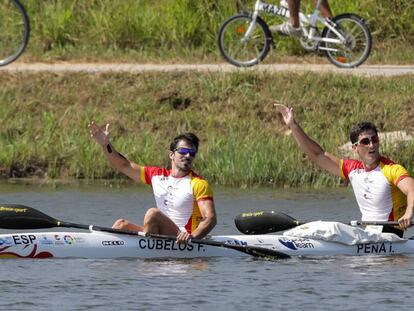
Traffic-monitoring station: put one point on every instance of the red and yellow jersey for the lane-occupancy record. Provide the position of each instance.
(178, 197)
(376, 190)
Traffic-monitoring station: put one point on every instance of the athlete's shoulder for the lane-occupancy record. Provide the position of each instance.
(151, 171)
(157, 170)
(392, 171)
(387, 164)
(386, 161)
(201, 189)
(194, 175)
(351, 164)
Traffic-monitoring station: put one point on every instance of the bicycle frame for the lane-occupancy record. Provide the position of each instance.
(310, 20)
(245, 39)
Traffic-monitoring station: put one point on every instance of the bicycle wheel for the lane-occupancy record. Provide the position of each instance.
(241, 51)
(357, 46)
(14, 30)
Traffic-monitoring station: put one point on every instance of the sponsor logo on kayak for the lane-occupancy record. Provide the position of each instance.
(376, 248)
(296, 244)
(168, 245)
(58, 240)
(46, 241)
(112, 243)
(235, 242)
(68, 239)
(6, 241)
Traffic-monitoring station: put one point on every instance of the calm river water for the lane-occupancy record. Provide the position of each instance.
(334, 283)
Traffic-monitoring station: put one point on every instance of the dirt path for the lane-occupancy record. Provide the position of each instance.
(364, 70)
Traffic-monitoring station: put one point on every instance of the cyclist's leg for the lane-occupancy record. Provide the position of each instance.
(291, 27)
(294, 7)
(325, 9)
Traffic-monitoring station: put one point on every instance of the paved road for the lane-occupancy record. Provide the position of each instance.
(364, 70)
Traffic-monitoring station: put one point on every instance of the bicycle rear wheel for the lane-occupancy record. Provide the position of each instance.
(241, 51)
(14, 30)
(357, 46)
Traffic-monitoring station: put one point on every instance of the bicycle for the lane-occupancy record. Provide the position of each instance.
(14, 30)
(245, 39)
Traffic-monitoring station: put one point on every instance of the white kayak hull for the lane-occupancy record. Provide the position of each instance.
(98, 244)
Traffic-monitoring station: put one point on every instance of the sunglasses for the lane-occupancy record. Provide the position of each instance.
(367, 140)
(184, 151)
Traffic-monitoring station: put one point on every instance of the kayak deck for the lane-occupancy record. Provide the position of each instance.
(98, 244)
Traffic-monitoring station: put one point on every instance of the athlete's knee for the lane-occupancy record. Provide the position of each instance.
(120, 224)
(152, 213)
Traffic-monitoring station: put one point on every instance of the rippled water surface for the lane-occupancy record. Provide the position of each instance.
(334, 283)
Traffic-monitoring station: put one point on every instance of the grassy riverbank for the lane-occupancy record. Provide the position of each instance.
(244, 142)
(186, 30)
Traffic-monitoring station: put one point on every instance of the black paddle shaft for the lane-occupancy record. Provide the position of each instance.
(254, 251)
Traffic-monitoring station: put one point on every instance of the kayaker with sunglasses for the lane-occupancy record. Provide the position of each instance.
(184, 200)
(383, 189)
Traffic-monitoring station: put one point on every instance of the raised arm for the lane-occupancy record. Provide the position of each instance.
(115, 159)
(311, 148)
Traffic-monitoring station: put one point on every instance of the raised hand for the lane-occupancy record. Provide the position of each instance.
(99, 133)
(287, 113)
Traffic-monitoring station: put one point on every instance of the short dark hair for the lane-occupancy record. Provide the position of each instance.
(359, 128)
(188, 137)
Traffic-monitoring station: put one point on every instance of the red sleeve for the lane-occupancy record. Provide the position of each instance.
(348, 166)
(147, 172)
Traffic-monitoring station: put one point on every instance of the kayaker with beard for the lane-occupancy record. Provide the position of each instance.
(184, 200)
(383, 189)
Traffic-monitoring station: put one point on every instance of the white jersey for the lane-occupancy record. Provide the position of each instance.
(376, 190)
(177, 197)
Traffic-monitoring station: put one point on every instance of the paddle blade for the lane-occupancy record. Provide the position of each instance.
(264, 222)
(265, 253)
(15, 216)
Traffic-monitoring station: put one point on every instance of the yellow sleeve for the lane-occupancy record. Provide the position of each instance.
(394, 173)
(201, 189)
(142, 174)
(341, 171)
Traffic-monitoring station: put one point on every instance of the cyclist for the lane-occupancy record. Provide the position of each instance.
(292, 27)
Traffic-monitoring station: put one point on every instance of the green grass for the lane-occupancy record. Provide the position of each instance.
(243, 140)
(186, 30)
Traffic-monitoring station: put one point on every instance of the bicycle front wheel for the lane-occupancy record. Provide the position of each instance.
(14, 30)
(240, 50)
(357, 46)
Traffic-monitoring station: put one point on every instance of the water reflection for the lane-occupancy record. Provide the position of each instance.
(163, 268)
